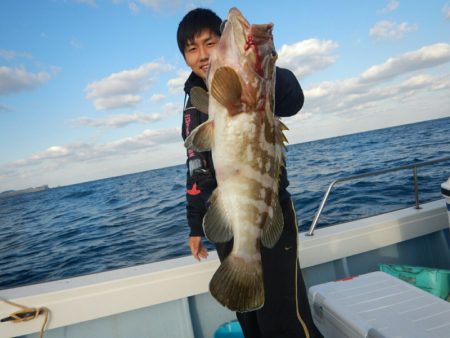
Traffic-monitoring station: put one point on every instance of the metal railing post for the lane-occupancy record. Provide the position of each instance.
(416, 187)
(319, 211)
(374, 173)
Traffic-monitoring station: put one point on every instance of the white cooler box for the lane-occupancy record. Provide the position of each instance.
(378, 305)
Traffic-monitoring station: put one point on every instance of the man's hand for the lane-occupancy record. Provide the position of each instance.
(197, 250)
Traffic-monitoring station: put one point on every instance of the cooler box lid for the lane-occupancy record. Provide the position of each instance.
(378, 305)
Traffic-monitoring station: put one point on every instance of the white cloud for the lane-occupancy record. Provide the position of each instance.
(375, 89)
(350, 106)
(117, 101)
(159, 5)
(418, 81)
(442, 82)
(14, 79)
(176, 85)
(117, 120)
(121, 89)
(134, 8)
(446, 12)
(52, 152)
(390, 30)
(147, 139)
(11, 54)
(92, 3)
(58, 156)
(373, 94)
(172, 108)
(171, 5)
(127, 80)
(308, 56)
(75, 43)
(425, 57)
(390, 7)
(157, 97)
(4, 109)
(328, 88)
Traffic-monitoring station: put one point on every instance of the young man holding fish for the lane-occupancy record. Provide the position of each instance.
(241, 202)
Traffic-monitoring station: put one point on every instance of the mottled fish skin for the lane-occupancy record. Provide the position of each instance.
(247, 146)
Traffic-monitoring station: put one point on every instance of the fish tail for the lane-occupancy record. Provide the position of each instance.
(238, 284)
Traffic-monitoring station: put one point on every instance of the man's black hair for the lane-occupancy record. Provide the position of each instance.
(194, 23)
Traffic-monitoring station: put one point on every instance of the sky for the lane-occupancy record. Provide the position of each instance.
(91, 89)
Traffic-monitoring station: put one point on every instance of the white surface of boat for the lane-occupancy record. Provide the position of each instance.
(171, 299)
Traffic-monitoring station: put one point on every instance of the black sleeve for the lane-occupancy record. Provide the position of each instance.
(289, 96)
(200, 178)
(199, 188)
(195, 209)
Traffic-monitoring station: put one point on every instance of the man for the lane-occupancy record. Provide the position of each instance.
(286, 310)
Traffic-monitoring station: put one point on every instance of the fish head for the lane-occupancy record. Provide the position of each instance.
(249, 46)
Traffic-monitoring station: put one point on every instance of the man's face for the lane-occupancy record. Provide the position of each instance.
(197, 51)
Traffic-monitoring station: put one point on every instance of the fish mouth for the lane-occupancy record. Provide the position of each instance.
(262, 33)
(255, 42)
(239, 25)
(244, 32)
(235, 15)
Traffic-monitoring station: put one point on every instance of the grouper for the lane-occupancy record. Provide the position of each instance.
(247, 144)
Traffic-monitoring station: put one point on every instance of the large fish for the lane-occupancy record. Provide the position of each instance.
(247, 145)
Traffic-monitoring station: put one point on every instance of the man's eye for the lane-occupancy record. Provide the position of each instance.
(191, 49)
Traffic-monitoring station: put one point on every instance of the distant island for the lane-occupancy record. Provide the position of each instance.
(23, 191)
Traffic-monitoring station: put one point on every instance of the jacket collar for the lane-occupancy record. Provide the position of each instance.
(193, 81)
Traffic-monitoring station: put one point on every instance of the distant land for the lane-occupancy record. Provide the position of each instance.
(23, 191)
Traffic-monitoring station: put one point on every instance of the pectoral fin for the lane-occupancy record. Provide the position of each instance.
(226, 88)
(201, 138)
(199, 99)
(216, 223)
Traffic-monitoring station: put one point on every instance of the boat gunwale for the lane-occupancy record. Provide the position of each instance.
(113, 292)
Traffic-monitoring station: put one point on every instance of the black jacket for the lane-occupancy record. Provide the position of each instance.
(201, 180)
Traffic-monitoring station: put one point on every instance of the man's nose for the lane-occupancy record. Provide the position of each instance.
(204, 53)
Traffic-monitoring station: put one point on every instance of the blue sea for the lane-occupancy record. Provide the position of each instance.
(140, 218)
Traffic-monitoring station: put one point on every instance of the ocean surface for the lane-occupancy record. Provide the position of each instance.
(140, 218)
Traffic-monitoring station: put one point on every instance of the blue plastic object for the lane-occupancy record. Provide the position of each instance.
(434, 281)
(229, 330)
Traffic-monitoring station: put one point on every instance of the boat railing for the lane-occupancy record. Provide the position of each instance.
(412, 166)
